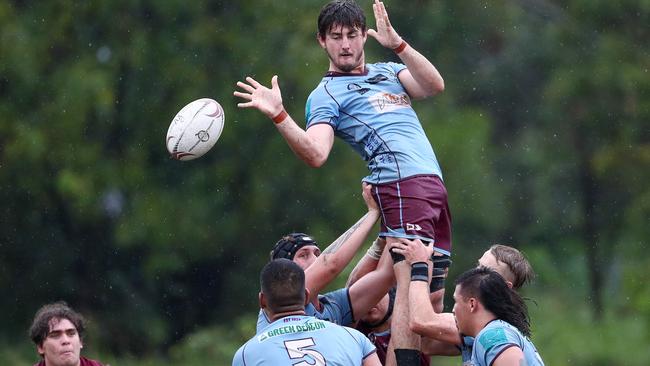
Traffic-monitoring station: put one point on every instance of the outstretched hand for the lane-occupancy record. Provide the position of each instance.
(267, 101)
(385, 33)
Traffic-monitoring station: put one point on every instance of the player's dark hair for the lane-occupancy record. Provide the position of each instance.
(283, 284)
(491, 290)
(54, 312)
(516, 262)
(345, 13)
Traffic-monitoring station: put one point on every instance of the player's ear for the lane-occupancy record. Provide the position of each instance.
(473, 306)
(321, 40)
(262, 301)
(509, 283)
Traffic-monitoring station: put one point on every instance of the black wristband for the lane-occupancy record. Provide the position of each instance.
(420, 271)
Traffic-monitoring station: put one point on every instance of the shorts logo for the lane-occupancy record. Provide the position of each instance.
(415, 227)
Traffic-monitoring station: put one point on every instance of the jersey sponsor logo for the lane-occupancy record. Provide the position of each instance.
(308, 326)
(356, 87)
(376, 79)
(385, 102)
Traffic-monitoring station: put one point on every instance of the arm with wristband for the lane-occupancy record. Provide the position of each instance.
(312, 146)
(420, 79)
(422, 319)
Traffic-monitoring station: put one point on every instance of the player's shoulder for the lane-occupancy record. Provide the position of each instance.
(391, 67)
(239, 357)
(497, 332)
(318, 91)
(353, 333)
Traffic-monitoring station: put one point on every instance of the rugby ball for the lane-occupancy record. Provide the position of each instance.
(195, 129)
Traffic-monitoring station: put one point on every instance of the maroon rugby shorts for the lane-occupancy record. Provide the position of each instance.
(416, 207)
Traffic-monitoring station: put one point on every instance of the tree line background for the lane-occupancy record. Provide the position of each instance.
(543, 135)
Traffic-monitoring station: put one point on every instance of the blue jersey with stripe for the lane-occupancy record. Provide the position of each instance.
(495, 338)
(466, 350)
(372, 113)
(336, 308)
(304, 340)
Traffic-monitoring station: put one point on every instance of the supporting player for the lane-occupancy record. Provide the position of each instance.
(441, 334)
(369, 107)
(487, 309)
(293, 336)
(339, 306)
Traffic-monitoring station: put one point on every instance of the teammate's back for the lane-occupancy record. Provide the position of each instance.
(294, 338)
(297, 338)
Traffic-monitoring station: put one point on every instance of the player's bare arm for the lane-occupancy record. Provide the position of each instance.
(312, 146)
(422, 319)
(434, 347)
(372, 360)
(368, 290)
(339, 254)
(421, 79)
(368, 262)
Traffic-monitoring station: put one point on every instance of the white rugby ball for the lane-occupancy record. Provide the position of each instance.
(195, 129)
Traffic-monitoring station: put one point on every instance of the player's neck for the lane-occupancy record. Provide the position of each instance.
(360, 70)
(481, 322)
(285, 314)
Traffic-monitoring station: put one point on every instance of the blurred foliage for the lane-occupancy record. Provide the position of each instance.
(542, 133)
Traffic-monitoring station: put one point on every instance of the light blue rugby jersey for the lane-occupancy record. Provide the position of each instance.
(304, 340)
(495, 338)
(372, 113)
(336, 309)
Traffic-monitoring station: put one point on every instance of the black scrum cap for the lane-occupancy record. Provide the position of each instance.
(289, 245)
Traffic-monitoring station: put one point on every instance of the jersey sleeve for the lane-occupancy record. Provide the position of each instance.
(321, 108)
(367, 348)
(494, 341)
(396, 67)
(337, 305)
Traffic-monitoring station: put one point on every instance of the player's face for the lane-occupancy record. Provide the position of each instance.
(488, 260)
(62, 344)
(306, 255)
(344, 47)
(461, 312)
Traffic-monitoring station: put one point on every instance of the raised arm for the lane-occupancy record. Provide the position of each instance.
(368, 262)
(420, 79)
(339, 254)
(312, 146)
(422, 319)
(369, 289)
